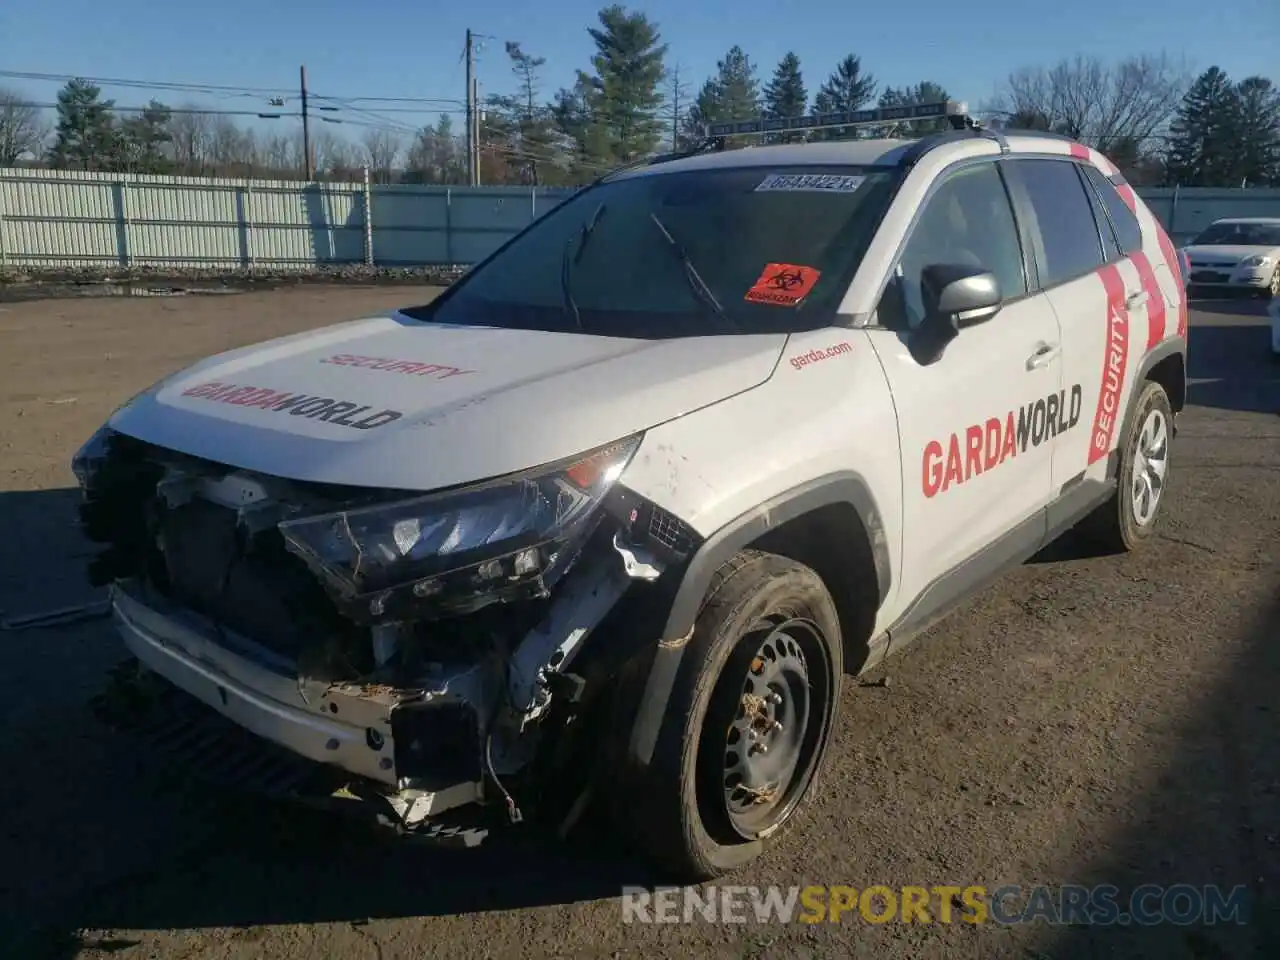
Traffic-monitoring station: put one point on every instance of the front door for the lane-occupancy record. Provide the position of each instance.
(974, 425)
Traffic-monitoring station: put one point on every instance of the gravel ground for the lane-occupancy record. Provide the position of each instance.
(1089, 720)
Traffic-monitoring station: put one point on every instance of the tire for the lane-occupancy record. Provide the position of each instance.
(1273, 291)
(768, 627)
(1126, 521)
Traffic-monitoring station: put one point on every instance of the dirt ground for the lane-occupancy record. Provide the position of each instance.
(1090, 720)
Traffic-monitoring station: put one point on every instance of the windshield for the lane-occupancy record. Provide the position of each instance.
(744, 249)
(1240, 234)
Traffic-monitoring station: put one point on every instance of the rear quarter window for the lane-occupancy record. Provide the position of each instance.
(1128, 230)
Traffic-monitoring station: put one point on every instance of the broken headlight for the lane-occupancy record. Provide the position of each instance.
(505, 539)
(89, 458)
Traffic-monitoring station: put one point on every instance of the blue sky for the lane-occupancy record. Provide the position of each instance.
(400, 49)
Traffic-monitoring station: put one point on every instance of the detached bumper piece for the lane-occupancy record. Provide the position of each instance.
(202, 748)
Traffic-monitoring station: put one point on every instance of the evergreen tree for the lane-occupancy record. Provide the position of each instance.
(924, 92)
(142, 140)
(436, 156)
(528, 121)
(1258, 150)
(624, 93)
(785, 95)
(848, 88)
(1203, 140)
(732, 94)
(86, 133)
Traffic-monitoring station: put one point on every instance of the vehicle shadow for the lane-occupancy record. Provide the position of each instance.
(1231, 365)
(1211, 820)
(1240, 306)
(99, 838)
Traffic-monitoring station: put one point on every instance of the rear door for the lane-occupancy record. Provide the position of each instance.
(1101, 303)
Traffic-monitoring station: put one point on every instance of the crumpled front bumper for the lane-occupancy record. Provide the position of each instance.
(331, 728)
(345, 728)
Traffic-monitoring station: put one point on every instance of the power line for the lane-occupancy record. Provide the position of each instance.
(424, 100)
(192, 87)
(212, 112)
(142, 84)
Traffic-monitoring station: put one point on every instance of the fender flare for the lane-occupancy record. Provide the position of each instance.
(841, 487)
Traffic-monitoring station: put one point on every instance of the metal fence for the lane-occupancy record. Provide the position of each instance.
(53, 219)
(65, 219)
(1185, 211)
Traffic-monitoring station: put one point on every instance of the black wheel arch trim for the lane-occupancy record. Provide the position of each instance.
(1158, 354)
(841, 487)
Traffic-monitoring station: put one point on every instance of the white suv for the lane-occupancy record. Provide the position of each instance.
(611, 517)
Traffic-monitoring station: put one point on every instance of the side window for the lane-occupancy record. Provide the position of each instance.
(968, 220)
(1110, 249)
(1070, 236)
(1128, 230)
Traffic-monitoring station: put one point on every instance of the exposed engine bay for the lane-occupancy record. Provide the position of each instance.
(417, 642)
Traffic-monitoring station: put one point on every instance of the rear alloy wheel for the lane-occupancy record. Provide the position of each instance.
(1130, 516)
(746, 729)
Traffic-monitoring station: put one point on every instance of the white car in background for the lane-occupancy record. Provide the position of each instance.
(1236, 254)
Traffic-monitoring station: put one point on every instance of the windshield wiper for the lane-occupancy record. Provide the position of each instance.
(569, 260)
(588, 228)
(566, 290)
(701, 291)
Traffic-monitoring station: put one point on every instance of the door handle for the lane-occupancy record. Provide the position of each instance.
(1136, 300)
(1044, 353)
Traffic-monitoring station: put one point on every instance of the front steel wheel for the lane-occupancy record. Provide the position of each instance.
(768, 756)
(746, 728)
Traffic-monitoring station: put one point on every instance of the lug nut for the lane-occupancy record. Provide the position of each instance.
(774, 698)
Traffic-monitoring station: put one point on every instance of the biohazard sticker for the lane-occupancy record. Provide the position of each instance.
(783, 285)
(810, 183)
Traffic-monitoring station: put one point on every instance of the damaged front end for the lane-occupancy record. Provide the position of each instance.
(414, 644)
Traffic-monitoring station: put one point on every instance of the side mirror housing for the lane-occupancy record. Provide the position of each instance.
(954, 296)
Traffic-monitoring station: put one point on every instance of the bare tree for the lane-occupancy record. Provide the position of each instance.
(233, 152)
(1104, 105)
(191, 146)
(336, 157)
(21, 131)
(382, 148)
(282, 154)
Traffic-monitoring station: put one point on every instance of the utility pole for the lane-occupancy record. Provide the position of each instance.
(476, 137)
(306, 125)
(473, 127)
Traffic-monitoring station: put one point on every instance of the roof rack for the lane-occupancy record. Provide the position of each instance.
(955, 112)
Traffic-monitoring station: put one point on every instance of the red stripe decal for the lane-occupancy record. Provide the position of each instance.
(1080, 152)
(1115, 357)
(1155, 298)
(1171, 258)
(1128, 196)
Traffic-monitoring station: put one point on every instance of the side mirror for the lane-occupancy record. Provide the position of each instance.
(954, 296)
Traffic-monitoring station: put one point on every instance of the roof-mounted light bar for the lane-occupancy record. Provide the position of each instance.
(955, 111)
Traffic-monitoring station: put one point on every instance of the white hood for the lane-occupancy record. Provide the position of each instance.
(394, 402)
(1228, 254)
